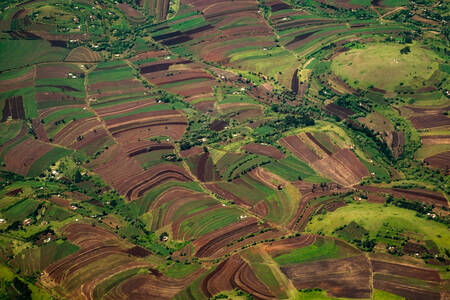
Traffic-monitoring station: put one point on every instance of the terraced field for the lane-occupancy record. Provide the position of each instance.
(246, 149)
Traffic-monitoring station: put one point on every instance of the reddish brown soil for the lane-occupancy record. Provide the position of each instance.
(310, 191)
(284, 246)
(421, 195)
(405, 270)
(260, 208)
(13, 109)
(173, 199)
(441, 160)
(47, 71)
(348, 277)
(343, 167)
(393, 285)
(145, 125)
(218, 125)
(133, 181)
(20, 158)
(316, 142)
(435, 139)
(205, 106)
(209, 244)
(398, 141)
(151, 286)
(138, 251)
(298, 148)
(60, 201)
(205, 170)
(430, 121)
(268, 178)
(340, 111)
(130, 12)
(424, 20)
(191, 152)
(79, 133)
(266, 150)
(17, 83)
(239, 275)
(82, 54)
(124, 107)
(39, 130)
(394, 278)
(136, 148)
(14, 192)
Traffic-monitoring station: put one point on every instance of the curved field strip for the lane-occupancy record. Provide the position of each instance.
(207, 221)
(241, 276)
(82, 54)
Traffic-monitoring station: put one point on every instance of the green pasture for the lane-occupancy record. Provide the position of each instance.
(321, 249)
(372, 216)
(362, 67)
(20, 53)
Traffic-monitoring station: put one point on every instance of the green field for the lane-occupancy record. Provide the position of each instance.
(20, 53)
(321, 249)
(372, 217)
(361, 67)
(292, 169)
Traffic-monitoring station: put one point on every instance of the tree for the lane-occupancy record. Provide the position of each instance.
(78, 176)
(405, 50)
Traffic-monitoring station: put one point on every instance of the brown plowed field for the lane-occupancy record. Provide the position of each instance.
(133, 181)
(20, 158)
(145, 125)
(85, 235)
(348, 277)
(39, 130)
(82, 54)
(204, 168)
(310, 191)
(172, 200)
(17, 83)
(13, 109)
(340, 111)
(297, 147)
(47, 71)
(239, 275)
(435, 139)
(342, 167)
(410, 292)
(177, 234)
(74, 134)
(209, 244)
(430, 121)
(124, 107)
(135, 187)
(266, 150)
(136, 148)
(87, 289)
(151, 286)
(284, 246)
(191, 152)
(402, 280)
(116, 86)
(268, 178)
(131, 13)
(441, 160)
(405, 270)
(421, 195)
